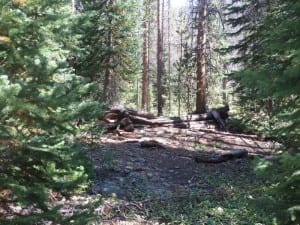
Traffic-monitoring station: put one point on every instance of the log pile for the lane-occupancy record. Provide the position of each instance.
(117, 119)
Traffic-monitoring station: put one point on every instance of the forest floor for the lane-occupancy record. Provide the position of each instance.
(163, 184)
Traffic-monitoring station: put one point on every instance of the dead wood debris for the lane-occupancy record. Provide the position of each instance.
(221, 157)
(127, 120)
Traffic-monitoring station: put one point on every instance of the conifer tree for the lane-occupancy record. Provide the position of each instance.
(268, 79)
(40, 96)
(110, 39)
(268, 58)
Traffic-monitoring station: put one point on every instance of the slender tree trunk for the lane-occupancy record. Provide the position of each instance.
(201, 58)
(179, 84)
(159, 62)
(224, 93)
(169, 58)
(145, 78)
(107, 74)
(148, 60)
(73, 6)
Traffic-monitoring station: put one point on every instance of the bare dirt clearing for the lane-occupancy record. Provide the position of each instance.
(136, 173)
(132, 172)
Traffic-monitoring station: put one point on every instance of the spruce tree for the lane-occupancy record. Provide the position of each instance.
(268, 60)
(268, 79)
(40, 96)
(109, 36)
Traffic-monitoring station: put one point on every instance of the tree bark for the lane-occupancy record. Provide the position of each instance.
(107, 73)
(169, 58)
(145, 78)
(165, 121)
(73, 6)
(201, 58)
(159, 62)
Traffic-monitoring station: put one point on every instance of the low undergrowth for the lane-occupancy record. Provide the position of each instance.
(232, 202)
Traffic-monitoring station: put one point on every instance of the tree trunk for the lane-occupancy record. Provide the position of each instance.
(107, 73)
(159, 63)
(148, 52)
(179, 73)
(169, 58)
(224, 91)
(201, 58)
(145, 78)
(73, 6)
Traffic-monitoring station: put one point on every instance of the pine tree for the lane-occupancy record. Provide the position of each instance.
(269, 79)
(268, 74)
(110, 39)
(40, 96)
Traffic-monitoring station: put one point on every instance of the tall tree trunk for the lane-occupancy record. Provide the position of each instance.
(76, 6)
(145, 78)
(224, 91)
(201, 58)
(73, 6)
(179, 84)
(107, 74)
(169, 58)
(159, 62)
(148, 52)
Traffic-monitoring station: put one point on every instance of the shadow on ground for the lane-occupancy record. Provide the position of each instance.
(129, 172)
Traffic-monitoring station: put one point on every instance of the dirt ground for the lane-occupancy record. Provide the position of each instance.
(130, 176)
(127, 170)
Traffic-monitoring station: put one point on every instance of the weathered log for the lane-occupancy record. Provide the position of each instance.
(126, 125)
(222, 157)
(220, 116)
(110, 117)
(151, 144)
(143, 114)
(138, 118)
(165, 121)
(121, 110)
(141, 120)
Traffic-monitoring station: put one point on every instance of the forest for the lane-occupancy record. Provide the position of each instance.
(150, 112)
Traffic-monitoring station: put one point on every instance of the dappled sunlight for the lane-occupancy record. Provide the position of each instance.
(133, 177)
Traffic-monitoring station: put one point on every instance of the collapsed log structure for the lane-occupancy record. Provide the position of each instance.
(128, 119)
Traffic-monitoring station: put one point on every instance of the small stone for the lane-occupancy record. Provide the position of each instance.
(120, 179)
(129, 168)
(150, 175)
(164, 155)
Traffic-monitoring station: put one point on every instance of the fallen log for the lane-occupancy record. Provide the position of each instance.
(151, 144)
(222, 157)
(128, 119)
(143, 114)
(165, 121)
